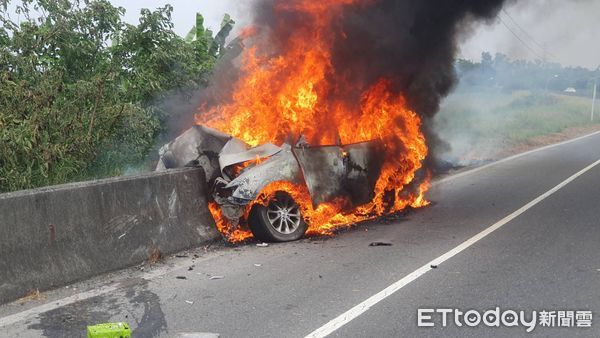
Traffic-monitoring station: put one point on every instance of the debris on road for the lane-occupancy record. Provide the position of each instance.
(380, 244)
(189, 302)
(181, 277)
(262, 245)
(34, 294)
(216, 277)
(191, 268)
(109, 330)
(154, 256)
(258, 265)
(433, 266)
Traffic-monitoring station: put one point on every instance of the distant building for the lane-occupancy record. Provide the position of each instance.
(570, 90)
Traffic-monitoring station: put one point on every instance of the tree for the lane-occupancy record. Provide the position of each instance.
(501, 72)
(79, 87)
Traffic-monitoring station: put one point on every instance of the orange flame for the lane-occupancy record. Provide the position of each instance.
(297, 91)
(233, 234)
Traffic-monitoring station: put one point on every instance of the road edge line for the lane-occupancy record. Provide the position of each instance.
(361, 308)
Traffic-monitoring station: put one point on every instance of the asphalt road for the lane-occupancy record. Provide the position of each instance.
(544, 257)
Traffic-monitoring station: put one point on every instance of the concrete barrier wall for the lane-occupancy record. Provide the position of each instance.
(53, 236)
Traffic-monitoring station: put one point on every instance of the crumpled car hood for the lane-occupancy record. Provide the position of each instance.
(329, 172)
(282, 166)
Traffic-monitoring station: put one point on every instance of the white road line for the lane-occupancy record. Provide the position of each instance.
(361, 308)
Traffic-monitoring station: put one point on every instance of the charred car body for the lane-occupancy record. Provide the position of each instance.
(237, 173)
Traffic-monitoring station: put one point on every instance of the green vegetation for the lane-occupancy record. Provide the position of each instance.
(81, 90)
(490, 120)
(502, 103)
(79, 87)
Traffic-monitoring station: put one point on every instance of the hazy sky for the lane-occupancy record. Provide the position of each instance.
(566, 29)
(184, 11)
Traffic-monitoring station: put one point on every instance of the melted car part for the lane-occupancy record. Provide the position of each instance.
(199, 145)
(349, 172)
(324, 171)
(330, 172)
(280, 167)
(364, 162)
(234, 154)
(222, 195)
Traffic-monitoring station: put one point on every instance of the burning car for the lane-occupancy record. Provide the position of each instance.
(238, 174)
(296, 137)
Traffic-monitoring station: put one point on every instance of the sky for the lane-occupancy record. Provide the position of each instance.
(563, 31)
(184, 11)
(558, 30)
(567, 29)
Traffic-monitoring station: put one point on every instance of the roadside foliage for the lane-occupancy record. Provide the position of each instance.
(80, 88)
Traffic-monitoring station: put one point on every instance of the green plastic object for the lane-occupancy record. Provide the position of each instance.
(109, 330)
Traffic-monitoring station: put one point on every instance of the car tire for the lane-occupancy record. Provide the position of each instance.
(279, 221)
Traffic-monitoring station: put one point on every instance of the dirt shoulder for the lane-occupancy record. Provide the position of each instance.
(544, 140)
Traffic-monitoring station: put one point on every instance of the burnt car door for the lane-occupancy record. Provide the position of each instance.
(349, 171)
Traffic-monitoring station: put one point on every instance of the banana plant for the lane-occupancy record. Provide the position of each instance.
(204, 38)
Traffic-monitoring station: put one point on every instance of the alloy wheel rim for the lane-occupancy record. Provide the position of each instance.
(283, 214)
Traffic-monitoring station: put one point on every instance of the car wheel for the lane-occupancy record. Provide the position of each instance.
(279, 221)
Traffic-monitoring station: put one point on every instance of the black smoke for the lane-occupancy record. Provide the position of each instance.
(412, 43)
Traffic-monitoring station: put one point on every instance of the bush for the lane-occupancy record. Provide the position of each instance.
(78, 87)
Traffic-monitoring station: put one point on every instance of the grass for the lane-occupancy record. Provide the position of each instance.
(486, 121)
